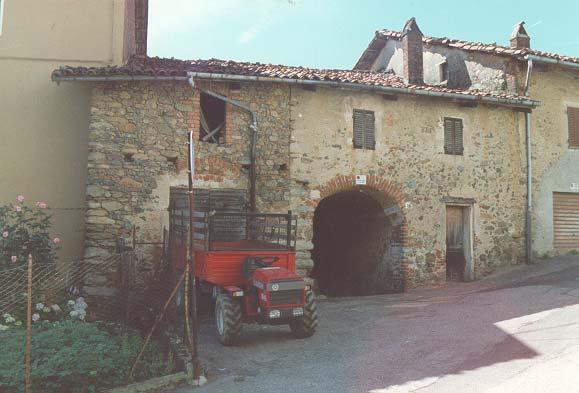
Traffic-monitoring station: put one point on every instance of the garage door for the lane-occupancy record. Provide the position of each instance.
(566, 221)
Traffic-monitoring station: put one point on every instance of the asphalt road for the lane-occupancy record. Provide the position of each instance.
(517, 331)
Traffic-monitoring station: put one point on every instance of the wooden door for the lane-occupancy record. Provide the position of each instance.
(455, 242)
(566, 221)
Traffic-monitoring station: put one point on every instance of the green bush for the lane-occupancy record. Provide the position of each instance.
(25, 230)
(77, 357)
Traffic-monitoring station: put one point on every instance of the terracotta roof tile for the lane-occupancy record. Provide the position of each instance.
(154, 66)
(481, 47)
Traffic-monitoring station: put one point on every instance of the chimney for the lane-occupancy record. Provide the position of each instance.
(136, 27)
(412, 53)
(520, 38)
(141, 26)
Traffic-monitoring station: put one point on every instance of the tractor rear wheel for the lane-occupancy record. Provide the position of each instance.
(228, 319)
(306, 325)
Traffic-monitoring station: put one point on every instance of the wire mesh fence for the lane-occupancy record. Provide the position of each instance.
(89, 321)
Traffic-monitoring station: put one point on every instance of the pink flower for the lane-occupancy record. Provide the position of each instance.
(41, 205)
(5, 234)
(18, 208)
(20, 198)
(56, 240)
(13, 258)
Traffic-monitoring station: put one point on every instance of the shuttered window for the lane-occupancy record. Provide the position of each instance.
(573, 121)
(364, 129)
(453, 136)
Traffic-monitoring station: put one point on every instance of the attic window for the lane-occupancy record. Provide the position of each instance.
(443, 72)
(212, 124)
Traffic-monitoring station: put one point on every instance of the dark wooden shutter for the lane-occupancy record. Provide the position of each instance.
(453, 136)
(364, 136)
(369, 131)
(358, 129)
(573, 121)
(458, 146)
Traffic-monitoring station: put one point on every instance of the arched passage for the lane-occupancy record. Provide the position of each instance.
(357, 243)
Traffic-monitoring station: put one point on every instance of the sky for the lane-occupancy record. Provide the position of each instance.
(333, 34)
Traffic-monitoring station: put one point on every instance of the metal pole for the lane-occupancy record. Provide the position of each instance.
(529, 210)
(190, 268)
(28, 350)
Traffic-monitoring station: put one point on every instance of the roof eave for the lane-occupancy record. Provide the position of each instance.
(550, 60)
(507, 102)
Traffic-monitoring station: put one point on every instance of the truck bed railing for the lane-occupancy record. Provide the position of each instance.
(221, 230)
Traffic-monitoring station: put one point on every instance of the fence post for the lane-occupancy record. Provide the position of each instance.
(28, 349)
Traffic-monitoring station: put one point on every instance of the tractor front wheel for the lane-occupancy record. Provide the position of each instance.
(306, 325)
(228, 319)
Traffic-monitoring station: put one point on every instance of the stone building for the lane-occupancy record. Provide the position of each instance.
(398, 178)
(549, 78)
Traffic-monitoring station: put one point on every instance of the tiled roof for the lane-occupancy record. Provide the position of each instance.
(159, 67)
(473, 46)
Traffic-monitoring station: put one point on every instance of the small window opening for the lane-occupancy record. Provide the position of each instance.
(443, 72)
(128, 157)
(212, 127)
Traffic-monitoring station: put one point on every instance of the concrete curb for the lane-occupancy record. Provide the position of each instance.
(155, 385)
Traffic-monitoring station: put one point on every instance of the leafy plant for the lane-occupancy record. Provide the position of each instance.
(26, 230)
(574, 252)
(77, 357)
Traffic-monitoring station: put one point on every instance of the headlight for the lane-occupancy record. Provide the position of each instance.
(274, 314)
(298, 311)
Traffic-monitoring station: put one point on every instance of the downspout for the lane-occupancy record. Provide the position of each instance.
(252, 143)
(529, 210)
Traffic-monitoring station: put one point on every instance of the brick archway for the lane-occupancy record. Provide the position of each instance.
(389, 195)
(388, 189)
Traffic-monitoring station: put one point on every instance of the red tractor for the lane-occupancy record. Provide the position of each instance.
(247, 262)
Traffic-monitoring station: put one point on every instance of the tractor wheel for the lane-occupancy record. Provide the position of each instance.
(306, 326)
(228, 319)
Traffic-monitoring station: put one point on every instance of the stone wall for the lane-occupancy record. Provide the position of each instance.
(137, 151)
(409, 158)
(137, 148)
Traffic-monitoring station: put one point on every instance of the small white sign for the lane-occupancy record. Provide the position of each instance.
(360, 180)
(574, 187)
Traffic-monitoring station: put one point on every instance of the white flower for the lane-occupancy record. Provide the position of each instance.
(55, 307)
(6, 316)
(39, 306)
(74, 313)
(10, 319)
(35, 317)
(46, 309)
(70, 303)
(3, 328)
